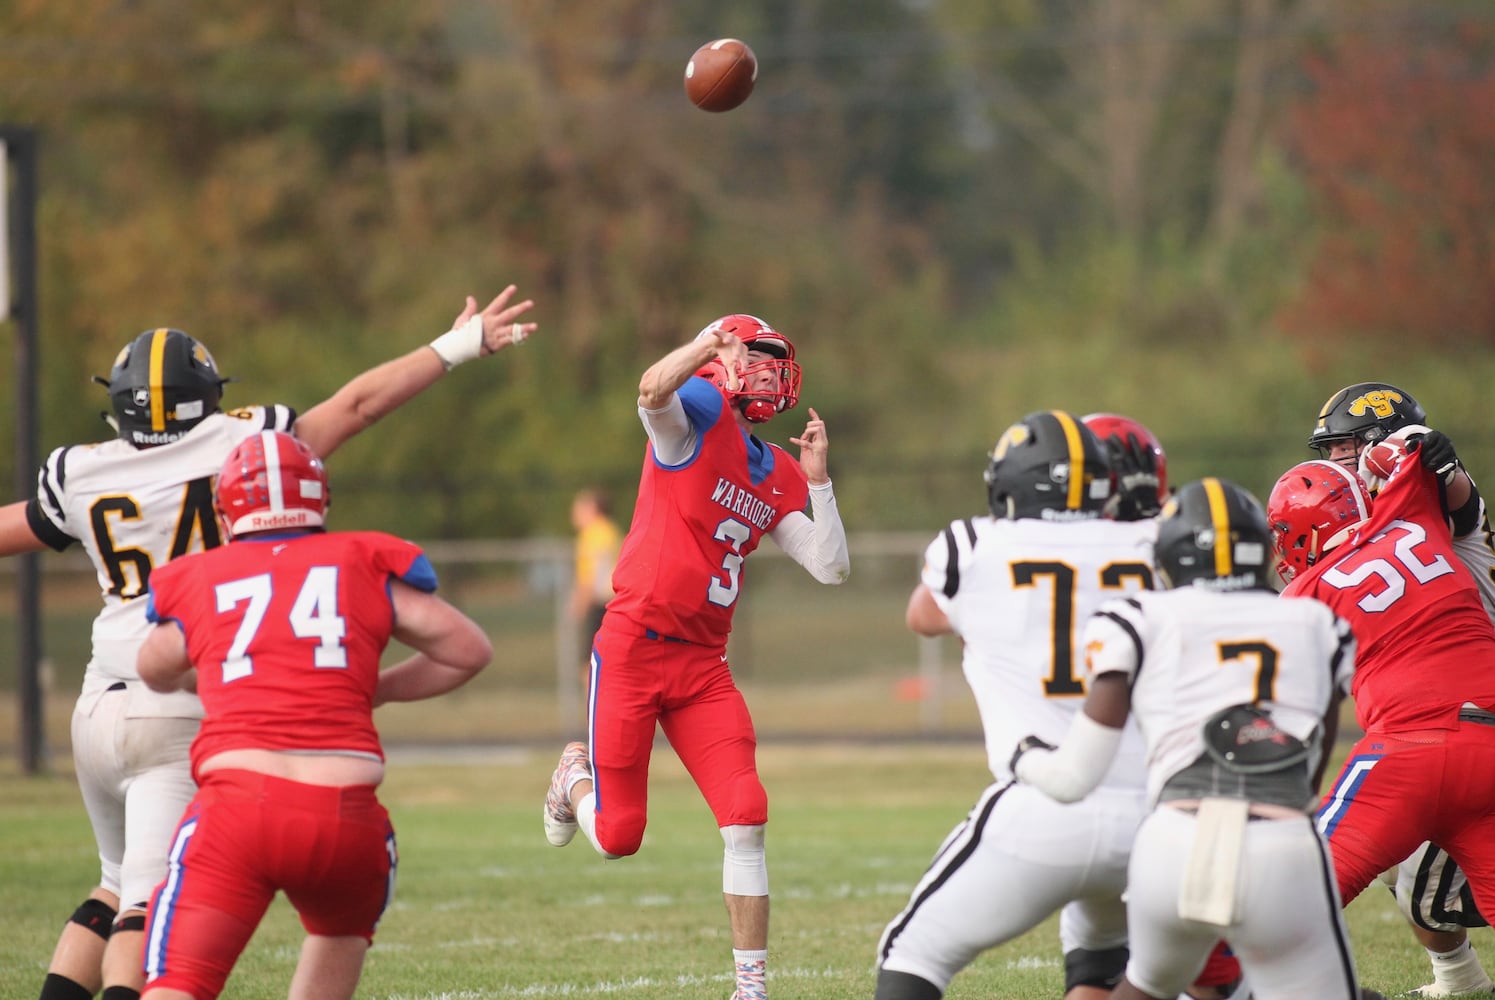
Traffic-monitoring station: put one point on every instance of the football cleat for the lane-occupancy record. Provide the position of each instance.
(560, 818)
(1480, 987)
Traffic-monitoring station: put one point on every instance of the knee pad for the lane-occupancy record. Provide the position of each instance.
(96, 915)
(904, 986)
(744, 862)
(1102, 969)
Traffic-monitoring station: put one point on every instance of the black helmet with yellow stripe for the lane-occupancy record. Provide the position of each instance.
(162, 385)
(1212, 533)
(1048, 465)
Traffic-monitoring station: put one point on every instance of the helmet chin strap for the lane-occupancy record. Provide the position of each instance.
(758, 411)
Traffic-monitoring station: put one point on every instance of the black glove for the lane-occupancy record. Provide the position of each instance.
(1025, 744)
(1435, 452)
(1136, 470)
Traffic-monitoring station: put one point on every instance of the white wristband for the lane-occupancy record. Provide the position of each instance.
(465, 343)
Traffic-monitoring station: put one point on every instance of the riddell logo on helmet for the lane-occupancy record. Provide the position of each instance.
(267, 520)
(154, 437)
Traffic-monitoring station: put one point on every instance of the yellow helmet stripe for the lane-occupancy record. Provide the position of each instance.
(157, 378)
(1076, 458)
(1220, 519)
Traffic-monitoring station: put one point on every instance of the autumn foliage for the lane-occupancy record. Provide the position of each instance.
(1397, 145)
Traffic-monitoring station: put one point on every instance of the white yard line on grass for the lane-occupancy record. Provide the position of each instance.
(622, 986)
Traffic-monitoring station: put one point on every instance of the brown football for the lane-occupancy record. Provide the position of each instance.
(721, 74)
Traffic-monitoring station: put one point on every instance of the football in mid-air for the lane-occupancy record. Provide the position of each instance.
(721, 74)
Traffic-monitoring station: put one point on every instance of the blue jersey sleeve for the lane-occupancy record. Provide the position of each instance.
(421, 575)
(702, 402)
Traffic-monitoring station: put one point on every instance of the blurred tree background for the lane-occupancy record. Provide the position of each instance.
(1208, 214)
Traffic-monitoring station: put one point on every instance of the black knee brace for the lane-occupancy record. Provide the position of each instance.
(1102, 969)
(96, 915)
(904, 986)
(135, 923)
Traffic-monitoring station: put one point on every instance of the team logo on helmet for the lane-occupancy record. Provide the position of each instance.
(1381, 402)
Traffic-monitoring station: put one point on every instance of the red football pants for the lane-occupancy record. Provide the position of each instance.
(1396, 791)
(686, 688)
(247, 835)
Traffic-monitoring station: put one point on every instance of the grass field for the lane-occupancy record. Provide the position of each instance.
(486, 909)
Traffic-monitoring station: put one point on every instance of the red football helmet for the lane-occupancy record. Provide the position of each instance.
(757, 405)
(269, 482)
(1106, 424)
(1310, 510)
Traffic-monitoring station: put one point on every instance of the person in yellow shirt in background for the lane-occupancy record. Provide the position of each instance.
(597, 542)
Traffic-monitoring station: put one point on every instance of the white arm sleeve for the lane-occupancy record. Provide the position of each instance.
(1072, 771)
(670, 431)
(819, 545)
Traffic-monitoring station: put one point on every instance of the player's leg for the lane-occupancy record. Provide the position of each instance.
(338, 871)
(1379, 808)
(1016, 858)
(1467, 832)
(708, 724)
(609, 795)
(75, 971)
(1093, 937)
(156, 795)
(1093, 928)
(1434, 896)
(1167, 951)
(329, 968)
(214, 895)
(1291, 936)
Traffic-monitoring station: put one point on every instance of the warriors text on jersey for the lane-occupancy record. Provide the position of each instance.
(1426, 643)
(1018, 592)
(133, 509)
(286, 632)
(1192, 652)
(681, 568)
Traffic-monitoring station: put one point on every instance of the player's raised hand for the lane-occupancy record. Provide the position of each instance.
(502, 326)
(730, 351)
(813, 448)
(476, 334)
(1137, 480)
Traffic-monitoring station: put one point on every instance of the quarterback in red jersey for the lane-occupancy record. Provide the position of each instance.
(285, 628)
(1424, 684)
(710, 491)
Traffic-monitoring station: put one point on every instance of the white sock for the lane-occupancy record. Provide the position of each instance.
(586, 819)
(1458, 969)
(751, 973)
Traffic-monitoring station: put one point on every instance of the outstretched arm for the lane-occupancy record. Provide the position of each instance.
(669, 373)
(380, 390)
(16, 535)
